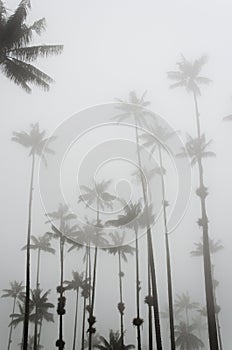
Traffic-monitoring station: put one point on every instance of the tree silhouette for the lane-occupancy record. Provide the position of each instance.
(16, 292)
(75, 284)
(38, 145)
(188, 76)
(156, 139)
(99, 195)
(114, 343)
(121, 249)
(16, 52)
(186, 339)
(135, 109)
(41, 244)
(184, 303)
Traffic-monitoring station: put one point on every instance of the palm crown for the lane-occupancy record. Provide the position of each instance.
(196, 149)
(119, 247)
(114, 343)
(42, 243)
(15, 52)
(16, 290)
(188, 75)
(185, 338)
(214, 246)
(35, 140)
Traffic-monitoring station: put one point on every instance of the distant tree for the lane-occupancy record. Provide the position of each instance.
(114, 343)
(184, 303)
(16, 52)
(186, 339)
(38, 145)
(121, 249)
(16, 291)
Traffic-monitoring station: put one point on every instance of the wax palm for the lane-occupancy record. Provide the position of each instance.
(114, 342)
(75, 284)
(38, 145)
(184, 304)
(41, 244)
(196, 149)
(121, 249)
(63, 234)
(41, 312)
(135, 109)
(156, 139)
(98, 195)
(16, 291)
(189, 77)
(16, 52)
(129, 219)
(186, 339)
(214, 246)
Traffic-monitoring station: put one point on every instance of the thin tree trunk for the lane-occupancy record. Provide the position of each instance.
(27, 298)
(84, 304)
(137, 289)
(121, 298)
(150, 253)
(40, 330)
(61, 343)
(168, 260)
(210, 307)
(150, 335)
(11, 327)
(216, 314)
(75, 321)
(38, 269)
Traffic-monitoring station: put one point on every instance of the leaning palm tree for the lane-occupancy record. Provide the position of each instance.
(114, 343)
(183, 303)
(121, 249)
(41, 244)
(188, 76)
(99, 195)
(62, 215)
(135, 109)
(214, 246)
(15, 292)
(17, 53)
(38, 145)
(75, 284)
(132, 212)
(156, 139)
(186, 339)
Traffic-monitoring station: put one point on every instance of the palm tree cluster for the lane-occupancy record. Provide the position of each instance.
(31, 305)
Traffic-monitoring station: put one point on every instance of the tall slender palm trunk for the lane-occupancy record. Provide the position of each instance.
(168, 260)
(36, 308)
(27, 298)
(75, 320)
(150, 329)
(94, 284)
(85, 299)
(11, 327)
(137, 289)
(121, 298)
(151, 262)
(210, 307)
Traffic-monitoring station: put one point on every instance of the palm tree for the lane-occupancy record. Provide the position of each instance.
(188, 76)
(135, 109)
(16, 52)
(132, 212)
(114, 343)
(41, 244)
(197, 148)
(15, 292)
(156, 138)
(75, 284)
(41, 307)
(102, 198)
(121, 249)
(95, 341)
(186, 339)
(62, 215)
(184, 303)
(38, 145)
(30, 344)
(214, 246)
